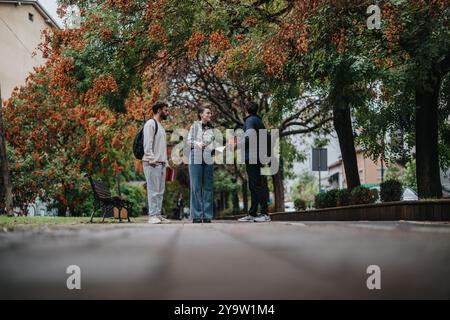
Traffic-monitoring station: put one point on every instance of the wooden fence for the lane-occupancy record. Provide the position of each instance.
(423, 210)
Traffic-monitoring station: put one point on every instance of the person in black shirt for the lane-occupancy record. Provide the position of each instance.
(257, 182)
(180, 206)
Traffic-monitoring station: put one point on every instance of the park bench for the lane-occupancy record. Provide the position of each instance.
(103, 200)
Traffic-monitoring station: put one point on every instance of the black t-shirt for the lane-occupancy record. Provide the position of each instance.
(252, 122)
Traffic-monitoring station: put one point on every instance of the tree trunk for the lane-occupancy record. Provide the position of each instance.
(427, 149)
(7, 192)
(226, 199)
(278, 189)
(119, 193)
(245, 195)
(222, 200)
(2, 197)
(235, 200)
(343, 125)
(62, 210)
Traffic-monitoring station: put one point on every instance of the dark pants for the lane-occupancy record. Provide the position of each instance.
(179, 212)
(259, 191)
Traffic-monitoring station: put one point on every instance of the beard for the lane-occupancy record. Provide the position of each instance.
(163, 116)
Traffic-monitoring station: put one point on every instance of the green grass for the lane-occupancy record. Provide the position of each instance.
(13, 222)
(10, 222)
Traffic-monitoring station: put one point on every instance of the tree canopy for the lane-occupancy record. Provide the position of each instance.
(312, 66)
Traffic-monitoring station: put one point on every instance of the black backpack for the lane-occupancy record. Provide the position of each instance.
(138, 143)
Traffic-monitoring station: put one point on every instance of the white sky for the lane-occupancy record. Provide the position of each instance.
(51, 6)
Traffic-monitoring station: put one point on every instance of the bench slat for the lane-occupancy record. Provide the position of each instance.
(101, 189)
(104, 200)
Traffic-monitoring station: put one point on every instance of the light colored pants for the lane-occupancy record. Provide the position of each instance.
(156, 181)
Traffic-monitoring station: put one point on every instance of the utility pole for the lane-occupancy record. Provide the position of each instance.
(4, 164)
(383, 157)
(319, 162)
(320, 176)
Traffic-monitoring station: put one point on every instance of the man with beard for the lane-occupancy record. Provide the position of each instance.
(155, 161)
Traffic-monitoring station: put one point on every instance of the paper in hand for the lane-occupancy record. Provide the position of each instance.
(220, 149)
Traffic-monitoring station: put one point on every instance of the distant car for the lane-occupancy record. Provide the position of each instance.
(445, 193)
(289, 207)
(408, 194)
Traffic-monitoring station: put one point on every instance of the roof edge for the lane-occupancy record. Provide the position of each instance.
(48, 18)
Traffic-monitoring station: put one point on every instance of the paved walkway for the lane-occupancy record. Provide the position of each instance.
(226, 260)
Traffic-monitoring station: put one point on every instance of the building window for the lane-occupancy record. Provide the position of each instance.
(380, 174)
(31, 17)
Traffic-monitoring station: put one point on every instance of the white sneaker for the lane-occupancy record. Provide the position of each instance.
(263, 218)
(154, 220)
(160, 217)
(247, 218)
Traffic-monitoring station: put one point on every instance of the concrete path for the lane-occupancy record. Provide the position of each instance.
(228, 260)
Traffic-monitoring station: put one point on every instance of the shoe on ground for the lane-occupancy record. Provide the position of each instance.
(154, 220)
(206, 220)
(263, 218)
(160, 217)
(247, 218)
(197, 221)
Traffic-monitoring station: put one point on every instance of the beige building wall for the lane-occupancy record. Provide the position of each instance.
(19, 38)
(369, 171)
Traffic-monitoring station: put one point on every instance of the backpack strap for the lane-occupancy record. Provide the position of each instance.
(154, 136)
(156, 127)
